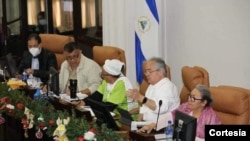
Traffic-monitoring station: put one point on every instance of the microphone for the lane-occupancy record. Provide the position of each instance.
(53, 81)
(52, 71)
(160, 103)
(4, 75)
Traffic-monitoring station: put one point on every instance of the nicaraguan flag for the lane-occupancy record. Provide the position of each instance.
(146, 34)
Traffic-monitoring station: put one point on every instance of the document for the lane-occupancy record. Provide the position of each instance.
(79, 96)
(135, 125)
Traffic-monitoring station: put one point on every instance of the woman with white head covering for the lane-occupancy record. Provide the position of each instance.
(115, 85)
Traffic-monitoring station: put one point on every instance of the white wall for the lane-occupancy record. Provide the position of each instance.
(214, 34)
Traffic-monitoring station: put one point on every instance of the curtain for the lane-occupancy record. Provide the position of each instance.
(88, 13)
(63, 13)
(119, 30)
(56, 13)
(34, 8)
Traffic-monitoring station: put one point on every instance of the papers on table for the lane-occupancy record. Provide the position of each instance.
(160, 137)
(88, 109)
(34, 82)
(79, 96)
(137, 124)
(91, 111)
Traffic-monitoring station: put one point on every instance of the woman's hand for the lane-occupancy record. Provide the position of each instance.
(67, 91)
(63, 102)
(78, 103)
(147, 128)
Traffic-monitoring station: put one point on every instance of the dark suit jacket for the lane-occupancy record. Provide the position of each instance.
(46, 59)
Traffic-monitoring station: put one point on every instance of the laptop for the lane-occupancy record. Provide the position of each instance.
(96, 96)
(126, 117)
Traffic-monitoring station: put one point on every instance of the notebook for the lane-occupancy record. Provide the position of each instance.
(126, 117)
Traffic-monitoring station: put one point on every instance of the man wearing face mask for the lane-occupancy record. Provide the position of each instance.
(36, 61)
(42, 22)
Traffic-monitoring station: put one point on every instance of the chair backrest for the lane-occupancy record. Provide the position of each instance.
(191, 76)
(55, 43)
(101, 53)
(144, 85)
(244, 90)
(231, 104)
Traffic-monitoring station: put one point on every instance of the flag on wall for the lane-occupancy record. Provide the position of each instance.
(146, 34)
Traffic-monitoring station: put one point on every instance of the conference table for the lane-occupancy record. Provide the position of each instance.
(153, 136)
(12, 129)
(134, 136)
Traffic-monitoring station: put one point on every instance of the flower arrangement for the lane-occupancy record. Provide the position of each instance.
(41, 115)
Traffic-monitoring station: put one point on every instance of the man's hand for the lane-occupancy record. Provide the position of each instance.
(78, 103)
(86, 91)
(29, 71)
(147, 128)
(135, 94)
(18, 76)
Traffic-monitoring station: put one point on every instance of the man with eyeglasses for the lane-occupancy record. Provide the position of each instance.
(160, 89)
(77, 66)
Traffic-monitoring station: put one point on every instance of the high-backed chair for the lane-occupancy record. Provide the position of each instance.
(55, 43)
(101, 53)
(144, 85)
(191, 76)
(231, 104)
(243, 90)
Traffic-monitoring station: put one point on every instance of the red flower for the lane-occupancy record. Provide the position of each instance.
(20, 105)
(25, 126)
(41, 126)
(92, 130)
(80, 138)
(11, 111)
(51, 122)
(24, 120)
(5, 100)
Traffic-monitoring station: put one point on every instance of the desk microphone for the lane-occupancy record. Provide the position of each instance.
(52, 71)
(160, 103)
(4, 75)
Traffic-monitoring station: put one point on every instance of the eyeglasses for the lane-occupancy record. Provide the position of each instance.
(150, 71)
(74, 57)
(192, 98)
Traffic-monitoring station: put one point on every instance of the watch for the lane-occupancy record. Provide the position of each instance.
(145, 99)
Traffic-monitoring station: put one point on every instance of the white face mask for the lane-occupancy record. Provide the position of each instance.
(35, 51)
(42, 21)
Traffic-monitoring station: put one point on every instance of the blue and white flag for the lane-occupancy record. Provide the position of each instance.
(146, 34)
